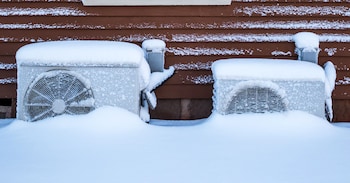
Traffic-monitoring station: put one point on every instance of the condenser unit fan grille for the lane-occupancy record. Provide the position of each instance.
(257, 100)
(58, 92)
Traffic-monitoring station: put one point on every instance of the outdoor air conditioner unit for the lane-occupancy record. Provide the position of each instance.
(251, 85)
(75, 77)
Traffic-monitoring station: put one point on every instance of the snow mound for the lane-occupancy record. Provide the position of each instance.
(102, 121)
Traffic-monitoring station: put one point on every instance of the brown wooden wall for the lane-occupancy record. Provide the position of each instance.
(195, 36)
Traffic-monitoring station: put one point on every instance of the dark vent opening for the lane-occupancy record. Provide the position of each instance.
(5, 108)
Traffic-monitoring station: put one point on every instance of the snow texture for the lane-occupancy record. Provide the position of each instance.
(186, 51)
(49, 26)
(291, 10)
(297, 24)
(194, 66)
(344, 81)
(202, 79)
(7, 66)
(113, 145)
(10, 80)
(281, 53)
(252, 37)
(342, 38)
(331, 51)
(57, 11)
(154, 2)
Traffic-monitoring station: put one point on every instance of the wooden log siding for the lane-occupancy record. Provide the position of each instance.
(196, 36)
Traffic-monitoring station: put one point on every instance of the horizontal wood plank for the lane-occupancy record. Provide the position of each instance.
(8, 91)
(235, 9)
(233, 1)
(184, 91)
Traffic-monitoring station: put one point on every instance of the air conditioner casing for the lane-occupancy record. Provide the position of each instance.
(114, 80)
(268, 85)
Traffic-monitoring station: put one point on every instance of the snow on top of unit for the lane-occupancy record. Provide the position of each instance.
(153, 44)
(80, 53)
(267, 69)
(306, 40)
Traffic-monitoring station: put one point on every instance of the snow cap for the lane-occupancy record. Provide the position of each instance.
(306, 40)
(80, 53)
(267, 69)
(153, 44)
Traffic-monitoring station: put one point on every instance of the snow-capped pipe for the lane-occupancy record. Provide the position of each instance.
(307, 46)
(154, 50)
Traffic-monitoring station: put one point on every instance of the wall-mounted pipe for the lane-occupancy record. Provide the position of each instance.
(307, 46)
(154, 53)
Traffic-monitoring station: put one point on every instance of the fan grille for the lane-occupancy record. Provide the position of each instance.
(58, 92)
(257, 100)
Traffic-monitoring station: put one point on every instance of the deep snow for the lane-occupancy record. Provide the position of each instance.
(113, 145)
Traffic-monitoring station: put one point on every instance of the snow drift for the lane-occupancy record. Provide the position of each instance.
(113, 145)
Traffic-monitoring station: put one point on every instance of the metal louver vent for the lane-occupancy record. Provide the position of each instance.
(58, 92)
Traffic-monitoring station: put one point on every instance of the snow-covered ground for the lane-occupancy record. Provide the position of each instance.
(113, 145)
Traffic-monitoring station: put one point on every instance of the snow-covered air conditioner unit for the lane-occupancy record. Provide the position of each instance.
(271, 85)
(75, 77)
